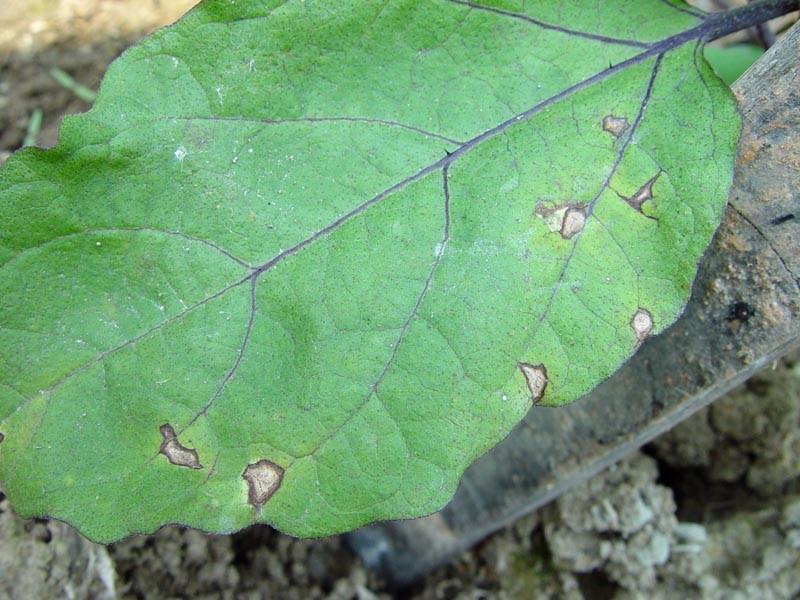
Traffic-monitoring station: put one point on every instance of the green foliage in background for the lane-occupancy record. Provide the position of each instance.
(729, 62)
(303, 262)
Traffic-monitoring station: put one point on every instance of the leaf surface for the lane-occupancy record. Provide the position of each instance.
(303, 262)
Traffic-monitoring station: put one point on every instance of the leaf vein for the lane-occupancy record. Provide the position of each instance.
(407, 324)
(549, 26)
(103, 355)
(239, 357)
(102, 230)
(684, 9)
(324, 119)
(605, 185)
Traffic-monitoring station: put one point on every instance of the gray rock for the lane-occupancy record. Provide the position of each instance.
(691, 533)
(47, 559)
(621, 522)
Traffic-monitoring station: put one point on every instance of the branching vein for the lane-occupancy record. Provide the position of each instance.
(177, 317)
(440, 250)
(604, 186)
(581, 34)
(239, 356)
(341, 119)
(104, 230)
(684, 9)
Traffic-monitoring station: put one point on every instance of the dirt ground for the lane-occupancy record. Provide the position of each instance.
(711, 509)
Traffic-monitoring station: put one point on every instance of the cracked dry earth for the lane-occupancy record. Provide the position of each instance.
(711, 509)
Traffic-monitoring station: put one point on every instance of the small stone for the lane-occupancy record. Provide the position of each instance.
(691, 533)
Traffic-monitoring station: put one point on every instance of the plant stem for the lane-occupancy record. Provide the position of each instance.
(721, 24)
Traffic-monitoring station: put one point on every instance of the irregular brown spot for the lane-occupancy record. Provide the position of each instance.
(642, 324)
(566, 219)
(616, 126)
(263, 480)
(549, 215)
(573, 222)
(536, 378)
(175, 452)
(2, 437)
(644, 194)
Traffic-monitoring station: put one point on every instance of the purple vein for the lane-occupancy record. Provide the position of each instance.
(373, 121)
(144, 229)
(239, 357)
(105, 354)
(684, 9)
(448, 159)
(605, 185)
(373, 390)
(208, 243)
(549, 26)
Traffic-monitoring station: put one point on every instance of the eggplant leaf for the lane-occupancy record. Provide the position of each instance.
(303, 262)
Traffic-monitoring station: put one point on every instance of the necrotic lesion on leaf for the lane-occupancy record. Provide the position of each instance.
(175, 452)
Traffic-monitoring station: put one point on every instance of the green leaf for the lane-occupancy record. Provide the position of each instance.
(303, 262)
(731, 61)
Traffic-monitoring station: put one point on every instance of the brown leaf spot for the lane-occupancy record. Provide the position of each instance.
(536, 378)
(176, 453)
(552, 216)
(644, 194)
(642, 324)
(573, 222)
(263, 480)
(566, 219)
(616, 126)
(2, 437)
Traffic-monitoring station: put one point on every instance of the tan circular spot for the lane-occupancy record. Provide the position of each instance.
(573, 222)
(263, 480)
(642, 323)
